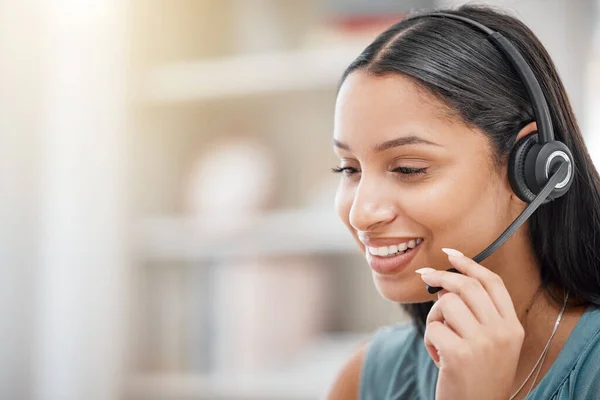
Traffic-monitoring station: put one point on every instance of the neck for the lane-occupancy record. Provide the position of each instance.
(535, 308)
(516, 264)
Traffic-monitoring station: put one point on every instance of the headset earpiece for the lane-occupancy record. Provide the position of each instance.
(531, 164)
(516, 167)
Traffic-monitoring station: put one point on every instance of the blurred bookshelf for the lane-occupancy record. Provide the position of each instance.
(271, 307)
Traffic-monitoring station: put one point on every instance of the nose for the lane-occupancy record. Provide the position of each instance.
(372, 206)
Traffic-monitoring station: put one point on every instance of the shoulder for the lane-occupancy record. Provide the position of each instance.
(346, 383)
(585, 376)
(576, 371)
(391, 362)
(374, 368)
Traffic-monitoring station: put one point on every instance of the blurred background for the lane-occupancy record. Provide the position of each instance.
(167, 228)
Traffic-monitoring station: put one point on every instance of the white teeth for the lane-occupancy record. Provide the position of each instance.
(394, 249)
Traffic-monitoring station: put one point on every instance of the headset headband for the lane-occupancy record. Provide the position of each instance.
(512, 55)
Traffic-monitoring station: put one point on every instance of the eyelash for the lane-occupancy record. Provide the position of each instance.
(348, 171)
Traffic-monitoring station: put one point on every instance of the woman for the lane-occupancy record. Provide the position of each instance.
(425, 120)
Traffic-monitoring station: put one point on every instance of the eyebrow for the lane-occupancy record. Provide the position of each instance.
(402, 141)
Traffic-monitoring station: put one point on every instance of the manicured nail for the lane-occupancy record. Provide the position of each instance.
(452, 252)
(425, 271)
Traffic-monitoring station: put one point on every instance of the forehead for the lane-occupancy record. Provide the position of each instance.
(391, 103)
(372, 110)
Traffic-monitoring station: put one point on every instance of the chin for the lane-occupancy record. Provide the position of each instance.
(405, 291)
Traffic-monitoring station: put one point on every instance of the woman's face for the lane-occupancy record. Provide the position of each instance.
(413, 177)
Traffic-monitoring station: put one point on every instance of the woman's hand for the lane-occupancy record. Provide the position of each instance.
(473, 333)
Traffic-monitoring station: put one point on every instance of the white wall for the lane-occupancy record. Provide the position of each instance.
(82, 275)
(18, 151)
(63, 267)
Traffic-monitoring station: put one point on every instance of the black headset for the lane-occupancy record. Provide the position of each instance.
(540, 168)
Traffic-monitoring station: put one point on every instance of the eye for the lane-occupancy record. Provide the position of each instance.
(348, 171)
(410, 171)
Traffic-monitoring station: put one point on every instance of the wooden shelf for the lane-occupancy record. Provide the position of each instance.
(306, 379)
(274, 386)
(281, 232)
(249, 75)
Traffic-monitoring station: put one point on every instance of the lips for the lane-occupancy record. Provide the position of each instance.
(392, 264)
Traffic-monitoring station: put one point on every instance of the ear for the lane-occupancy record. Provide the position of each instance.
(527, 130)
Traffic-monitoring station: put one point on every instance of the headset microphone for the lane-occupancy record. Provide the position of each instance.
(540, 169)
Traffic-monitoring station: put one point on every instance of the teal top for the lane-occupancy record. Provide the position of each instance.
(397, 365)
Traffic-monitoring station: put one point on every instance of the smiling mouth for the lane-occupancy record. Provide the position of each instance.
(394, 250)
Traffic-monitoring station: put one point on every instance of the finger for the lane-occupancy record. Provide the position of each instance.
(438, 339)
(469, 289)
(491, 282)
(452, 310)
(441, 293)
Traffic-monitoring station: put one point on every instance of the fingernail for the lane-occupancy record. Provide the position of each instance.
(452, 252)
(425, 271)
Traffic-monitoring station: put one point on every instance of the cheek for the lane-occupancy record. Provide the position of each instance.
(462, 211)
(435, 203)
